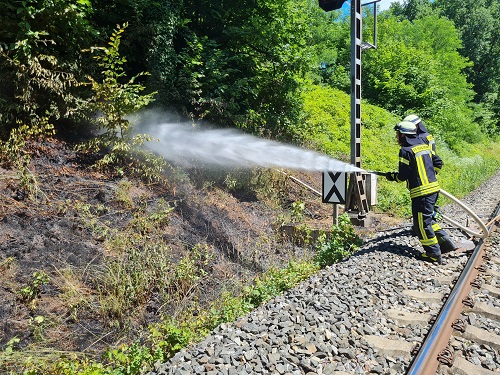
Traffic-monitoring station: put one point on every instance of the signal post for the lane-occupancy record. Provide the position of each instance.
(356, 204)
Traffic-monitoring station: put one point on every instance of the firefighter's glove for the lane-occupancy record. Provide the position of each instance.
(437, 215)
(391, 176)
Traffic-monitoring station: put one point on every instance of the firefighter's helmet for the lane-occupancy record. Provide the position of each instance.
(413, 118)
(406, 127)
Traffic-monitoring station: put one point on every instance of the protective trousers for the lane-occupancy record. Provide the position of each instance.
(422, 209)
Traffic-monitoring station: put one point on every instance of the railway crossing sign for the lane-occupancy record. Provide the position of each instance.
(334, 187)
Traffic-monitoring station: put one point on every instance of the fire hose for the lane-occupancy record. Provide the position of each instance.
(482, 234)
(484, 230)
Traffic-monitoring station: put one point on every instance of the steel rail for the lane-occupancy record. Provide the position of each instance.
(426, 361)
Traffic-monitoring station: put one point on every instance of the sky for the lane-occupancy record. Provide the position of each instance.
(385, 4)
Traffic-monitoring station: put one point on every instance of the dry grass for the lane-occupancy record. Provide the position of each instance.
(121, 255)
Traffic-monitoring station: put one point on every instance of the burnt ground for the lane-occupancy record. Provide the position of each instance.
(54, 256)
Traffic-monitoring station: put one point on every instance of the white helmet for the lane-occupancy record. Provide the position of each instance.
(406, 127)
(413, 118)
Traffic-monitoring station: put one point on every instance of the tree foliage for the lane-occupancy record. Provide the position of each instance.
(245, 64)
(241, 63)
(417, 68)
(40, 59)
(478, 23)
(412, 9)
(149, 43)
(330, 48)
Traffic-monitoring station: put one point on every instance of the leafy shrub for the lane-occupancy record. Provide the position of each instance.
(15, 151)
(35, 82)
(326, 126)
(111, 103)
(276, 281)
(170, 336)
(341, 243)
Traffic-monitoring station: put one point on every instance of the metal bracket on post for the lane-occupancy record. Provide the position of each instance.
(367, 45)
(356, 197)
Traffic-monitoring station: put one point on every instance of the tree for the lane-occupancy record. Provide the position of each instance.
(417, 68)
(412, 9)
(149, 43)
(478, 23)
(240, 63)
(330, 47)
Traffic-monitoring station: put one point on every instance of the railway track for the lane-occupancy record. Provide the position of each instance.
(381, 311)
(475, 333)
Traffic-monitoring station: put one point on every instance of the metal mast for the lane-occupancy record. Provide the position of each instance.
(356, 197)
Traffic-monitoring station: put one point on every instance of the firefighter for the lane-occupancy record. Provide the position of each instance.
(417, 165)
(446, 243)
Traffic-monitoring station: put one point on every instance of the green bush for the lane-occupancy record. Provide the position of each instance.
(275, 281)
(341, 243)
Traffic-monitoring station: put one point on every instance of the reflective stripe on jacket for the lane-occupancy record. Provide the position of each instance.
(429, 139)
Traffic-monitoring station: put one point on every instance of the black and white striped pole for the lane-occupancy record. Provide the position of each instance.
(356, 197)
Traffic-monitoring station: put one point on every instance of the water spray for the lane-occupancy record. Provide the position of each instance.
(187, 145)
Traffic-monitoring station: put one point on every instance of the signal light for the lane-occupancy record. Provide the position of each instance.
(328, 5)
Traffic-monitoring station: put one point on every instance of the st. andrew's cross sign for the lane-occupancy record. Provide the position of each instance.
(334, 187)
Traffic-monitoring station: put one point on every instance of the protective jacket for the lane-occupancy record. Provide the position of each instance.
(417, 165)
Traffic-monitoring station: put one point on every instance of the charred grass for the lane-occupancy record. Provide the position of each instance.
(93, 262)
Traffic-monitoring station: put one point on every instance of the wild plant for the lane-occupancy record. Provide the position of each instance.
(30, 292)
(15, 152)
(108, 108)
(340, 243)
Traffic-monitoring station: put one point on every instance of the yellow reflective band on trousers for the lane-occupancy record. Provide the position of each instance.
(424, 240)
